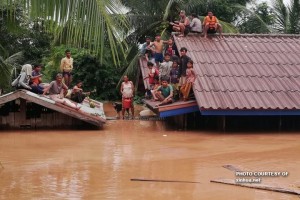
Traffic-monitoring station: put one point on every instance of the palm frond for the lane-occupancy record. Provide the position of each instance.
(294, 16)
(83, 24)
(281, 16)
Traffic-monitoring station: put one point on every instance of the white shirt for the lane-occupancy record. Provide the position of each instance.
(196, 25)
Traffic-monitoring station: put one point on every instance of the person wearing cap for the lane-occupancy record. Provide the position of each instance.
(183, 25)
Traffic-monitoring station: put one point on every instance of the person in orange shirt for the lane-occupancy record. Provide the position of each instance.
(211, 25)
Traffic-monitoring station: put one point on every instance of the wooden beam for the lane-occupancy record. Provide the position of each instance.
(258, 186)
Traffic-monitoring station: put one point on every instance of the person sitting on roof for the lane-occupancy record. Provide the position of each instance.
(183, 25)
(211, 25)
(190, 79)
(56, 92)
(196, 26)
(146, 50)
(77, 93)
(23, 80)
(163, 93)
(36, 79)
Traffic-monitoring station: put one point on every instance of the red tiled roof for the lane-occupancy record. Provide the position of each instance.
(245, 71)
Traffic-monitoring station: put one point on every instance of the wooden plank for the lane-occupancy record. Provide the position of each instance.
(232, 168)
(258, 186)
(9, 97)
(145, 71)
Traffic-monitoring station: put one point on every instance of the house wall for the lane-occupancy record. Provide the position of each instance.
(20, 114)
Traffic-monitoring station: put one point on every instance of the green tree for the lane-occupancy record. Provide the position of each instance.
(82, 24)
(22, 41)
(257, 20)
(287, 17)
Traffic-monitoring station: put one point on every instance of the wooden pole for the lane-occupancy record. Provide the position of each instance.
(258, 186)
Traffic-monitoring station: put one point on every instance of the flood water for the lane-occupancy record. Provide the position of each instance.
(99, 164)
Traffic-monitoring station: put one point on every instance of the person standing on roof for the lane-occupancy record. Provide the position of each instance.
(191, 76)
(183, 25)
(183, 66)
(172, 50)
(196, 26)
(211, 25)
(146, 50)
(158, 45)
(66, 67)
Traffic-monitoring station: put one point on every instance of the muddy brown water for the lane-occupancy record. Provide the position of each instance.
(99, 164)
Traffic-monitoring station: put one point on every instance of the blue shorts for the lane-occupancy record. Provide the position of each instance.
(159, 57)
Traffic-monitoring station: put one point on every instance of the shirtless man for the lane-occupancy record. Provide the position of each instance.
(158, 54)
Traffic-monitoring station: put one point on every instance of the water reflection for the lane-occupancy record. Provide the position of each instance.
(100, 164)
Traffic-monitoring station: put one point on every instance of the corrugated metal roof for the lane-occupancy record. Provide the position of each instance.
(245, 72)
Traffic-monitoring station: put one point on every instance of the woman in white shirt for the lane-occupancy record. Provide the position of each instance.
(127, 91)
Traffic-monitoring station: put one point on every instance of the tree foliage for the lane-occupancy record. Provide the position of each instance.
(287, 17)
(97, 25)
(257, 20)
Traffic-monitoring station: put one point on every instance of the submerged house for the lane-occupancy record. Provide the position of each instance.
(24, 109)
(245, 75)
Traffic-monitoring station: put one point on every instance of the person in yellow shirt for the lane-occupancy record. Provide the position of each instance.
(211, 25)
(66, 67)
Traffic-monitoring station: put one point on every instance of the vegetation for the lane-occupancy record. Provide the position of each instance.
(258, 19)
(104, 35)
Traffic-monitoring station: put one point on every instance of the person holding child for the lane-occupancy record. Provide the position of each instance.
(190, 79)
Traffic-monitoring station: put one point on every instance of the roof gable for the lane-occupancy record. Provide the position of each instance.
(245, 71)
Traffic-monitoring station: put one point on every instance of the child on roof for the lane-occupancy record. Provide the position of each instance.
(36, 79)
(165, 68)
(163, 93)
(190, 79)
(174, 78)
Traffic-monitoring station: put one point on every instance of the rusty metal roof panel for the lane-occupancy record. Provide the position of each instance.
(245, 72)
